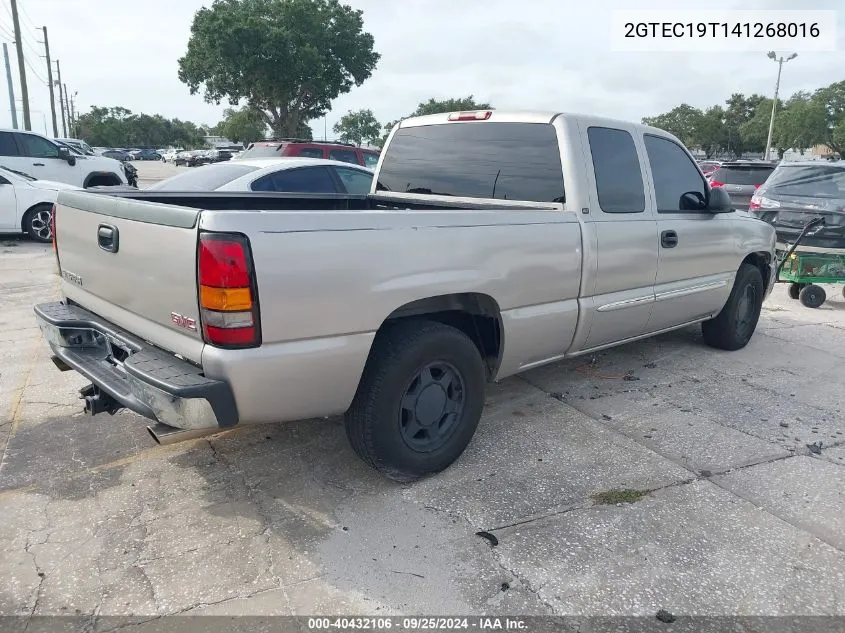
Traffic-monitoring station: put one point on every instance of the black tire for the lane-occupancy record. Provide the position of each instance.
(37, 223)
(383, 432)
(733, 327)
(812, 296)
(795, 290)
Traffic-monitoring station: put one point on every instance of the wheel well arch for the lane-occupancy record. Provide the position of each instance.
(107, 178)
(475, 314)
(762, 261)
(31, 209)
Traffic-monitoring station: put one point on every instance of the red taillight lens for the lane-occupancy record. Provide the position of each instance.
(753, 205)
(716, 183)
(481, 115)
(227, 293)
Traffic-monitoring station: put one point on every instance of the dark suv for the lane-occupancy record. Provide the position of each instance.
(741, 179)
(344, 152)
(799, 191)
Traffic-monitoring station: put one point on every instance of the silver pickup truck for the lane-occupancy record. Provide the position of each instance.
(491, 243)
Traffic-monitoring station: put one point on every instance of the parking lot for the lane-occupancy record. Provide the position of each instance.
(659, 475)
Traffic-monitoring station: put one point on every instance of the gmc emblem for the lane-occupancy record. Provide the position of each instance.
(182, 321)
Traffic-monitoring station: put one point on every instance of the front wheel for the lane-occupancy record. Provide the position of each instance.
(419, 400)
(38, 223)
(733, 327)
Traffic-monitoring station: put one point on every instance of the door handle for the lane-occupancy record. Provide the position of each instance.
(38, 164)
(669, 239)
(107, 238)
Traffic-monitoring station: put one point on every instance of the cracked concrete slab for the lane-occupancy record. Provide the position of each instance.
(693, 549)
(807, 492)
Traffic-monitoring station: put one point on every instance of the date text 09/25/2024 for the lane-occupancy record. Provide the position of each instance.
(417, 623)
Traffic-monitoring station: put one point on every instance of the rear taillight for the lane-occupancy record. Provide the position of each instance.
(228, 295)
(754, 204)
(716, 183)
(481, 115)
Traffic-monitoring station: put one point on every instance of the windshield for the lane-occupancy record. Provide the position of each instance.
(814, 181)
(19, 173)
(742, 174)
(262, 151)
(207, 178)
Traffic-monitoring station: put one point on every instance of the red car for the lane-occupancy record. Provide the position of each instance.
(345, 152)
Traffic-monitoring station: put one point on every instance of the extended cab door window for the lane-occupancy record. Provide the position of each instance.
(355, 181)
(674, 174)
(619, 180)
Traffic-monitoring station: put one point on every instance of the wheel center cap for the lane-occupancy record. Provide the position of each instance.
(430, 405)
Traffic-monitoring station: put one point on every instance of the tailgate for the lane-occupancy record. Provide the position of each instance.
(133, 263)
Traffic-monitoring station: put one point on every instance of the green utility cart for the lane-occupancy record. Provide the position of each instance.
(805, 270)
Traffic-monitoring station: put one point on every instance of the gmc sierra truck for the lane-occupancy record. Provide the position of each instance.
(491, 243)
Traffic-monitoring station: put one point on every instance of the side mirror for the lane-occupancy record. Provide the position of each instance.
(719, 201)
(692, 201)
(64, 154)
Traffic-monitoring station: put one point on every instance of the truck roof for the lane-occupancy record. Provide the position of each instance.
(524, 116)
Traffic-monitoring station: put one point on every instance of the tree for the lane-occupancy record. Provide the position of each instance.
(357, 127)
(119, 127)
(287, 58)
(683, 121)
(438, 106)
(712, 134)
(830, 103)
(241, 126)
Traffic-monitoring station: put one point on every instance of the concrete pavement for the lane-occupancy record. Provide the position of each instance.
(739, 516)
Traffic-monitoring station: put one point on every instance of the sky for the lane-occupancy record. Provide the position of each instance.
(515, 54)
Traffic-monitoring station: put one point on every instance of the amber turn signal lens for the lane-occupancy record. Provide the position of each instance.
(225, 299)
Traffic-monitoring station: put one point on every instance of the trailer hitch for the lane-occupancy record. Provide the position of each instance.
(98, 401)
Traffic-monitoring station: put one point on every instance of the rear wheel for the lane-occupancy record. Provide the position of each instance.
(733, 327)
(419, 400)
(37, 223)
(795, 290)
(812, 296)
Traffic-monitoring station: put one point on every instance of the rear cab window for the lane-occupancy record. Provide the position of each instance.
(491, 160)
(742, 174)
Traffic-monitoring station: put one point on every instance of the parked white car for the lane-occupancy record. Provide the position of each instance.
(45, 159)
(26, 204)
(169, 155)
(303, 175)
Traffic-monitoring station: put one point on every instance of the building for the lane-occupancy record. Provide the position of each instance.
(220, 142)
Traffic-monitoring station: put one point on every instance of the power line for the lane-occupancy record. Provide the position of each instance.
(26, 16)
(24, 39)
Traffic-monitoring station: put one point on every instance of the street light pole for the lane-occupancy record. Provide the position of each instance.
(780, 61)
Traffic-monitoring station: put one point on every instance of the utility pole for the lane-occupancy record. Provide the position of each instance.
(12, 104)
(69, 117)
(61, 98)
(780, 61)
(72, 114)
(21, 67)
(50, 83)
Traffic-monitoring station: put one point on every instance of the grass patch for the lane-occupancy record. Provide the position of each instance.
(612, 497)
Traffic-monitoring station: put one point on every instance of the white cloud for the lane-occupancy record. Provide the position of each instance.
(526, 54)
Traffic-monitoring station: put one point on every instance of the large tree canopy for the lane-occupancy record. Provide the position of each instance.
(287, 58)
